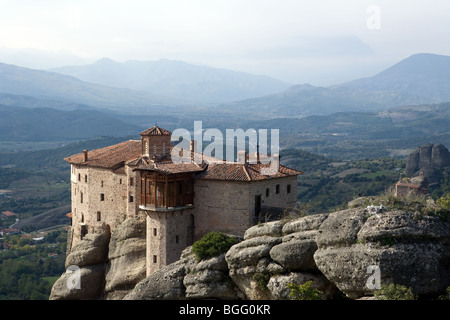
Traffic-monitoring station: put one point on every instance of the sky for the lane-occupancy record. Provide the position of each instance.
(320, 42)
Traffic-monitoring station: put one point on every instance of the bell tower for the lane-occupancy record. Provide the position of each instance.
(155, 142)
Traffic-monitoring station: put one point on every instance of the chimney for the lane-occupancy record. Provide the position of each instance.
(276, 161)
(85, 155)
(242, 157)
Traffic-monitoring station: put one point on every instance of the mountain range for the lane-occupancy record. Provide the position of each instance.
(418, 79)
(37, 105)
(184, 81)
(166, 86)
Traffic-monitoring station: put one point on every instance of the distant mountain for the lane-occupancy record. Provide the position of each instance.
(419, 79)
(51, 85)
(424, 75)
(177, 79)
(45, 124)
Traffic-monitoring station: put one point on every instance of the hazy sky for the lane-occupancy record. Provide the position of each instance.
(321, 42)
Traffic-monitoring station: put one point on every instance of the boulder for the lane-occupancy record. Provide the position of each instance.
(92, 249)
(87, 260)
(403, 247)
(164, 284)
(89, 287)
(209, 279)
(127, 258)
(278, 285)
(295, 255)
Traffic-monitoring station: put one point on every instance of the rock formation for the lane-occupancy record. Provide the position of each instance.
(339, 252)
(407, 249)
(110, 265)
(88, 257)
(428, 159)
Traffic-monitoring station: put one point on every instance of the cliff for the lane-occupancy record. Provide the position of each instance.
(429, 159)
(340, 252)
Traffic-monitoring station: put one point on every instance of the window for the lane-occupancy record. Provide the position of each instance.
(99, 216)
(155, 259)
(85, 178)
(120, 181)
(177, 239)
(288, 188)
(155, 232)
(102, 183)
(131, 199)
(102, 197)
(79, 177)
(131, 181)
(277, 189)
(81, 197)
(82, 217)
(267, 192)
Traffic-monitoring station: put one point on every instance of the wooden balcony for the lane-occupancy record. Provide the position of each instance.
(160, 192)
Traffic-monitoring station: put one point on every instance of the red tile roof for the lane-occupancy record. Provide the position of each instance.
(241, 172)
(9, 213)
(111, 157)
(156, 131)
(165, 165)
(129, 152)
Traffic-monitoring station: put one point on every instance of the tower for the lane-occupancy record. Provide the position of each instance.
(155, 143)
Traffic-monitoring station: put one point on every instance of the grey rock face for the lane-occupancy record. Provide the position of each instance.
(427, 157)
(89, 256)
(406, 249)
(127, 258)
(91, 280)
(93, 249)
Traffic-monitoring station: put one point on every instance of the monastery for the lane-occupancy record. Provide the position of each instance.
(180, 202)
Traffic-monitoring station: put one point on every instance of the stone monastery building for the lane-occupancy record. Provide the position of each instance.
(181, 202)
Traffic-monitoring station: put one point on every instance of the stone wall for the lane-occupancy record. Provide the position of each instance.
(229, 206)
(99, 199)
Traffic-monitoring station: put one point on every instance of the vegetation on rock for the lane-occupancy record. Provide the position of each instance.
(212, 244)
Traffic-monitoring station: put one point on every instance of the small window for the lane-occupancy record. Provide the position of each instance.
(81, 197)
(102, 183)
(155, 259)
(120, 181)
(99, 216)
(102, 197)
(85, 178)
(277, 189)
(131, 199)
(177, 239)
(267, 192)
(288, 188)
(82, 217)
(131, 181)
(79, 177)
(155, 232)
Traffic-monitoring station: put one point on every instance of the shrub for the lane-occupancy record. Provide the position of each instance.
(304, 291)
(394, 292)
(262, 279)
(212, 244)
